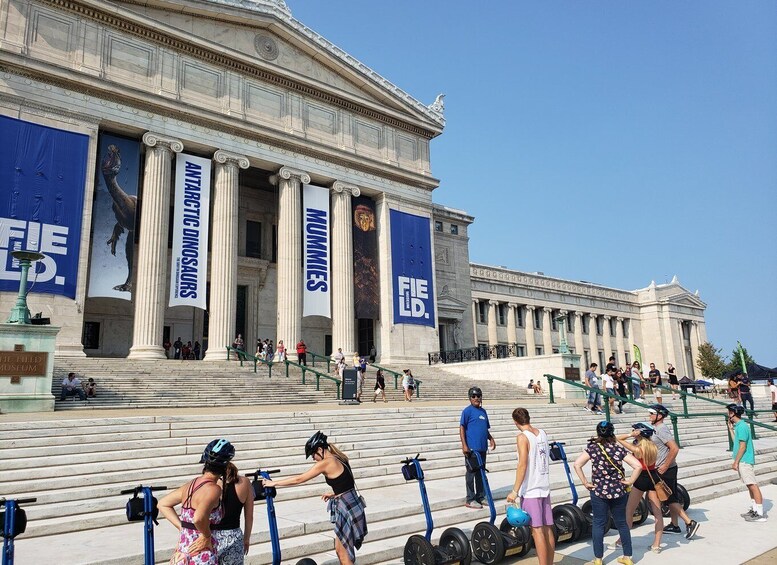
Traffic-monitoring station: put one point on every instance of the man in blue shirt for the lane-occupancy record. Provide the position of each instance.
(474, 434)
(744, 461)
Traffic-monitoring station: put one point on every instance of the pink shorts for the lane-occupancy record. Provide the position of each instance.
(539, 510)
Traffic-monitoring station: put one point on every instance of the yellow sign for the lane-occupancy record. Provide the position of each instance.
(23, 363)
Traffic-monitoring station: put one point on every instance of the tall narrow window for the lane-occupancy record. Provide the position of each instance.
(254, 239)
(519, 315)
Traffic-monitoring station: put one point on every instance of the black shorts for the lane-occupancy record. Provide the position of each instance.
(644, 482)
(774, 406)
(673, 380)
(670, 478)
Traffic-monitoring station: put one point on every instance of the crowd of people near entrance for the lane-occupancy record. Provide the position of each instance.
(183, 351)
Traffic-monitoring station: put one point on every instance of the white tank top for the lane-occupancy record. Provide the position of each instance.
(536, 483)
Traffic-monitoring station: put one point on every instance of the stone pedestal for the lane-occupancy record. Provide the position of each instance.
(28, 393)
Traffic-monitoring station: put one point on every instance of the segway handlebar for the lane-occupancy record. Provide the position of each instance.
(411, 459)
(19, 500)
(259, 472)
(139, 488)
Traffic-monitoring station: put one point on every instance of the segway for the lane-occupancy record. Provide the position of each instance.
(145, 510)
(682, 497)
(267, 494)
(14, 523)
(419, 550)
(569, 521)
(491, 544)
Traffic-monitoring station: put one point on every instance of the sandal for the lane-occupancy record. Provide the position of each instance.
(655, 548)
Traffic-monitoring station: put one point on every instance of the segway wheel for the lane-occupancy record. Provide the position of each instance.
(418, 551)
(565, 523)
(306, 561)
(641, 513)
(589, 517)
(581, 525)
(488, 545)
(454, 542)
(522, 535)
(683, 496)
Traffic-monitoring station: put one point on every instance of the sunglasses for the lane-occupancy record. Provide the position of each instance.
(476, 396)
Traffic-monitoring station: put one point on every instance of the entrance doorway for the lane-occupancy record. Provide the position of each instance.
(366, 331)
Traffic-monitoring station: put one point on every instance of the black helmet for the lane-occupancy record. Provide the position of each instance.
(737, 409)
(605, 429)
(660, 409)
(317, 440)
(645, 429)
(474, 391)
(218, 452)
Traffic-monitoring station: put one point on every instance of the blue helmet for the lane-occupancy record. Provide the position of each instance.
(218, 452)
(517, 516)
(605, 429)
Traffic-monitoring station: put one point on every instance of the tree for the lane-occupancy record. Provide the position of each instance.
(710, 361)
(734, 364)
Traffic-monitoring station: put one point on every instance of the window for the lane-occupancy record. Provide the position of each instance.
(570, 322)
(584, 321)
(438, 226)
(601, 361)
(587, 355)
(501, 314)
(519, 315)
(612, 322)
(553, 323)
(625, 328)
(686, 326)
(275, 244)
(538, 350)
(454, 229)
(599, 325)
(91, 335)
(482, 312)
(520, 351)
(254, 239)
(627, 360)
(537, 320)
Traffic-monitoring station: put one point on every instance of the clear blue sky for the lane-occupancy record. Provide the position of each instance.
(614, 142)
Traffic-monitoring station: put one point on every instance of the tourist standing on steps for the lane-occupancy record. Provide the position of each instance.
(593, 396)
(674, 384)
(609, 487)
(302, 353)
(474, 435)
(380, 386)
(177, 346)
(201, 508)
(667, 468)
(408, 385)
(532, 484)
(345, 505)
(745, 394)
(654, 378)
(744, 461)
(637, 383)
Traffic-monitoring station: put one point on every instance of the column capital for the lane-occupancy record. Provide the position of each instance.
(530, 307)
(593, 316)
(288, 172)
(171, 144)
(620, 319)
(547, 309)
(694, 323)
(226, 158)
(563, 312)
(475, 300)
(579, 314)
(339, 187)
(493, 302)
(606, 317)
(512, 305)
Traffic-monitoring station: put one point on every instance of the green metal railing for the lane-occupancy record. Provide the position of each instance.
(319, 375)
(243, 356)
(672, 415)
(398, 376)
(321, 359)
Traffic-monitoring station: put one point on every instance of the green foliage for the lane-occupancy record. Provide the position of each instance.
(710, 361)
(734, 364)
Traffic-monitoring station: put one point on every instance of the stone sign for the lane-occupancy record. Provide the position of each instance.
(572, 373)
(17, 364)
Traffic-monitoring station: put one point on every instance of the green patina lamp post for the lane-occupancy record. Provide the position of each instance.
(20, 314)
(563, 346)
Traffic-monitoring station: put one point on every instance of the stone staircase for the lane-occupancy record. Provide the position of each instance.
(127, 383)
(76, 468)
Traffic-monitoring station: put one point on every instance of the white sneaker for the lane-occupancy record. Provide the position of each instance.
(748, 513)
(755, 517)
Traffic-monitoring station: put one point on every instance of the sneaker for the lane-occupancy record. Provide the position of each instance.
(755, 517)
(748, 513)
(483, 502)
(599, 413)
(474, 505)
(670, 529)
(691, 529)
(625, 561)
(655, 548)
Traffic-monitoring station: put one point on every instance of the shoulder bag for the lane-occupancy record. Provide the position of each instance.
(620, 471)
(663, 492)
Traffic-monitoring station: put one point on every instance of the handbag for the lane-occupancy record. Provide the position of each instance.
(620, 471)
(663, 492)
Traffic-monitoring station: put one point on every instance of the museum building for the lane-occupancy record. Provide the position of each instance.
(202, 169)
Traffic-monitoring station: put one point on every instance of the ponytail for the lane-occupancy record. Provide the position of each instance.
(231, 474)
(337, 453)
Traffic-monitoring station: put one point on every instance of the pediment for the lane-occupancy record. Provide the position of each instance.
(270, 38)
(446, 301)
(685, 299)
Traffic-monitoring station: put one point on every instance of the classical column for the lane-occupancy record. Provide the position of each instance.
(493, 339)
(531, 345)
(593, 343)
(682, 365)
(620, 346)
(343, 309)
(150, 286)
(511, 334)
(222, 306)
(607, 338)
(547, 339)
(694, 347)
(475, 320)
(579, 347)
(289, 309)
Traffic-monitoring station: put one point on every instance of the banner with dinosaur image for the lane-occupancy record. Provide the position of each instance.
(112, 262)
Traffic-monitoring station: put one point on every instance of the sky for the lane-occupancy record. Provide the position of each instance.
(613, 142)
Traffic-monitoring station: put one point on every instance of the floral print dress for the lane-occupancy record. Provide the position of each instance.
(189, 534)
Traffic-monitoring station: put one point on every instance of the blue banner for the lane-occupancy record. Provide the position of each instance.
(42, 179)
(411, 263)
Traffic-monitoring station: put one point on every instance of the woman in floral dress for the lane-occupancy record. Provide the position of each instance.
(608, 486)
(201, 508)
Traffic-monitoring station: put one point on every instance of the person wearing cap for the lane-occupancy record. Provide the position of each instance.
(667, 468)
(201, 507)
(609, 487)
(475, 436)
(744, 461)
(344, 503)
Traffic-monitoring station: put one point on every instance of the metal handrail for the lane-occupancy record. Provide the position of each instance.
(242, 355)
(672, 415)
(396, 376)
(326, 358)
(318, 374)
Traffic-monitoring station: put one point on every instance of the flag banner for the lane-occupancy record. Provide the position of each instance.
(112, 263)
(411, 264)
(741, 357)
(366, 283)
(638, 356)
(316, 290)
(189, 263)
(43, 175)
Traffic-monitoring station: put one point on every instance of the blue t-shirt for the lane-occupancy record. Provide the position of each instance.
(742, 433)
(475, 422)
